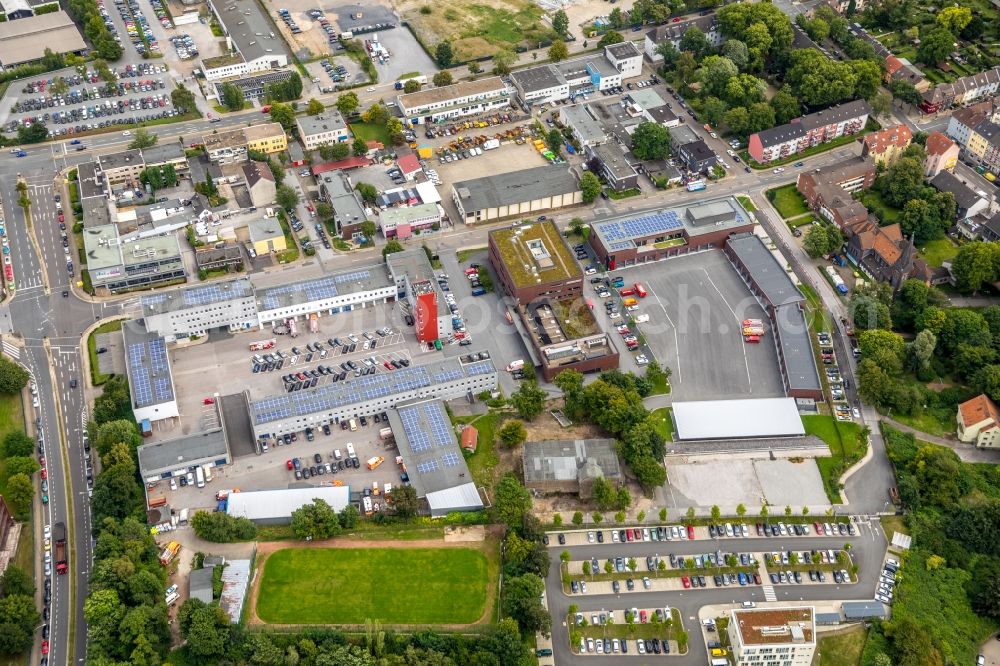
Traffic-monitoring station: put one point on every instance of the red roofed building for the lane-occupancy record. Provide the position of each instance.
(409, 165)
(882, 253)
(470, 438)
(343, 165)
(886, 145)
(979, 422)
(942, 154)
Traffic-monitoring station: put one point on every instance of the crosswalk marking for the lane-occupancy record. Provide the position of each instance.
(769, 594)
(11, 350)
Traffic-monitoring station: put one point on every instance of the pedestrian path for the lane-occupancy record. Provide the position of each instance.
(11, 350)
(769, 594)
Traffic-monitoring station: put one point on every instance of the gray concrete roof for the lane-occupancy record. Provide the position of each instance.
(26, 39)
(561, 460)
(124, 158)
(264, 228)
(249, 28)
(586, 126)
(200, 584)
(538, 78)
(515, 187)
(428, 446)
(100, 244)
(189, 297)
(796, 348)
(620, 233)
(328, 121)
(769, 275)
(347, 207)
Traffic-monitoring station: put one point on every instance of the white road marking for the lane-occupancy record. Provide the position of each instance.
(746, 361)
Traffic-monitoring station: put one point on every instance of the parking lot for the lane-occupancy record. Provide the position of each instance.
(325, 75)
(69, 103)
(732, 481)
(695, 306)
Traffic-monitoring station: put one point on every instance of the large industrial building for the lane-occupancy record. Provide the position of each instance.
(465, 98)
(525, 192)
(784, 304)
(253, 45)
(537, 270)
(653, 235)
(772, 636)
(445, 379)
(195, 310)
(737, 419)
(330, 294)
(578, 77)
(151, 386)
(275, 507)
(434, 463)
(24, 41)
(115, 265)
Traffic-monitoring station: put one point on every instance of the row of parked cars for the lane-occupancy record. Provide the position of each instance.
(620, 645)
(887, 581)
(795, 577)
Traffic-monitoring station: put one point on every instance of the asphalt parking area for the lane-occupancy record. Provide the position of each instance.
(731, 482)
(695, 306)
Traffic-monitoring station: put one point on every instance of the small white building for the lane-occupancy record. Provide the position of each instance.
(979, 422)
(197, 309)
(402, 221)
(327, 127)
(275, 507)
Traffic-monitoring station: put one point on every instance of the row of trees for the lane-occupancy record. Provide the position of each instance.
(86, 13)
(284, 91)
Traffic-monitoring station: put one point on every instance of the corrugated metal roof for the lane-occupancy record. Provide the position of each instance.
(271, 504)
(737, 419)
(860, 610)
(457, 498)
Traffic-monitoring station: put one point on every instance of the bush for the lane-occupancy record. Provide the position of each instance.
(222, 528)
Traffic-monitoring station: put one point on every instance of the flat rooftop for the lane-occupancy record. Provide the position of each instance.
(770, 277)
(26, 39)
(515, 187)
(535, 253)
(197, 296)
(163, 153)
(738, 419)
(323, 288)
(100, 244)
(90, 185)
(328, 121)
(234, 138)
(152, 249)
(148, 367)
(251, 31)
(393, 217)
(264, 228)
(492, 86)
(263, 131)
(775, 626)
(796, 348)
(355, 390)
(586, 125)
(347, 208)
(428, 446)
(125, 158)
(620, 233)
(182, 452)
(280, 503)
(538, 78)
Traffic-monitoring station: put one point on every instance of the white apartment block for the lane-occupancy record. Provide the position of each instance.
(327, 127)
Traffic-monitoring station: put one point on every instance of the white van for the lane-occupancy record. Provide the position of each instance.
(172, 598)
(354, 426)
(336, 454)
(199, 474)
(350, 446)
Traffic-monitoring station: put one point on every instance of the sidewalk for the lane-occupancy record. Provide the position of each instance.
(965, 452)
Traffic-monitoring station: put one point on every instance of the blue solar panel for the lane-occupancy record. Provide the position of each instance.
(301, 292)
(479, 368)
(426, 426)
(428, 466)
(356, 276)
(451, 459)
(141, 386)
(619, 234)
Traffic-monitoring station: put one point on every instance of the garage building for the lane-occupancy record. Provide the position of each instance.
(25, 40)
(737, 419)
(523, 192)
(194, 310)
(433, 460)
(330, 294)
(275, 507)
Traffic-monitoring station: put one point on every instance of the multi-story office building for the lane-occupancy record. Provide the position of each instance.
(325, 128)
(460, 99)
(773, 636)
(196, 310)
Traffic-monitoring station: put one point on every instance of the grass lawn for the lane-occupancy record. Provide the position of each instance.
(842, 649)
(926, 421)
(883, 211)
(846, 447)
(348, 586)
(11, 419)
(892, 524)
(787, 201)
(664, 423)
(746, 203)
(464, 255)
(936, 252)
(371, 132)
(96, 378)
(800, 221)
(483, 463)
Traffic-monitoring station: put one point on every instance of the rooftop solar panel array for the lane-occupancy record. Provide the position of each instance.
(195, 296)
(355, 276)
(141, 387)
(426, 426)
(479, 368)
(624, 231)
(451, 459)
(313, 290)
(150, 372)
(428, 466)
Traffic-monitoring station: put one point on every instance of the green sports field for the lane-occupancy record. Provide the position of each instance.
(393, 585)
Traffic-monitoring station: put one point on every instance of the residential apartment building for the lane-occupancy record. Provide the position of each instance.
(260, 183)
(516, 193)
(966, 90)
(901, 69)
(809, 130)
(460, 99)
(984, 144)
(578, 77)
(195, 310)
(942, 154)
(886, 145)
(674, 33)
(267, 138)
(614, 165)
(336, 189)
(968, 202)
(122, 166)
(773, 636)
(979, 422)
(828, 191)
(326, 128)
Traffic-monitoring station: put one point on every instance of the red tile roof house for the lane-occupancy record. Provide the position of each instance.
(409, 165)
(942, 154)
(979, 422)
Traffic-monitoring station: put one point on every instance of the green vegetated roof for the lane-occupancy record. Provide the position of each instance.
(551, 261)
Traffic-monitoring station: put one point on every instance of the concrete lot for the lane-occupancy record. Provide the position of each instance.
(208, 44)
(406, 53)
(695, 306)
(730, 482)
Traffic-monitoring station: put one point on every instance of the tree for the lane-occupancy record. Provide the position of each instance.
(347, 103)
(651, 141)
(881, 104)
(182, 98)
(315, 107)
(822, 239)
(609, 38)
(232, 96)
(741, 510)
(317, 520)
(737, 52)
(868, 313)
(411, 86)
(391, 247)
(577, 518)
(558, 51)
(786, 106)
(669, 53)
(715, 73)
(16, 443)
(284, 115)
(207, 631)
(554, 140)
(512, 501)
(287, 197)
(869, 78)
(560, 23)
(143, 138)
(513, 433)
(716, 512)
(284, 91)
(368, 229)
(921, 350)
(503, 60)
(359, 146)
(935, 45)
(334, 151)
(20, 491)
(603, 494)
(21, 465)
(474, 68)
(13, 377)
(349, 516)
(443, 55)
(522, 602)
(528, 400)
(442, 78)
(404, 501)
(367, 191)
(974, 266)
(695, 41)
(590, 185)
(649, 471)
(219, 527)
(16, 581)
(818, 80)
(954, 19)
(714, 110)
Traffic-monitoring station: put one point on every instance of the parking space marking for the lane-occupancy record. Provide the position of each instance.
(736, 318)
(677, 343)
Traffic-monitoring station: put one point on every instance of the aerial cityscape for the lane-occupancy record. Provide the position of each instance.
(546, 332)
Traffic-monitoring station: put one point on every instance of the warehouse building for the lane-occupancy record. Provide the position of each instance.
(253, 45)
(198, 309)
(433, 461)
(330, 294)
(653, 235)
(24, 41)
(578, 77)
(444, 379)
(784, 304)
(571, 466)
(466, 98)
(150, 383)
(275, 507)
(737, 419)
(176, 457)
(524, 192)
(413, 275)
